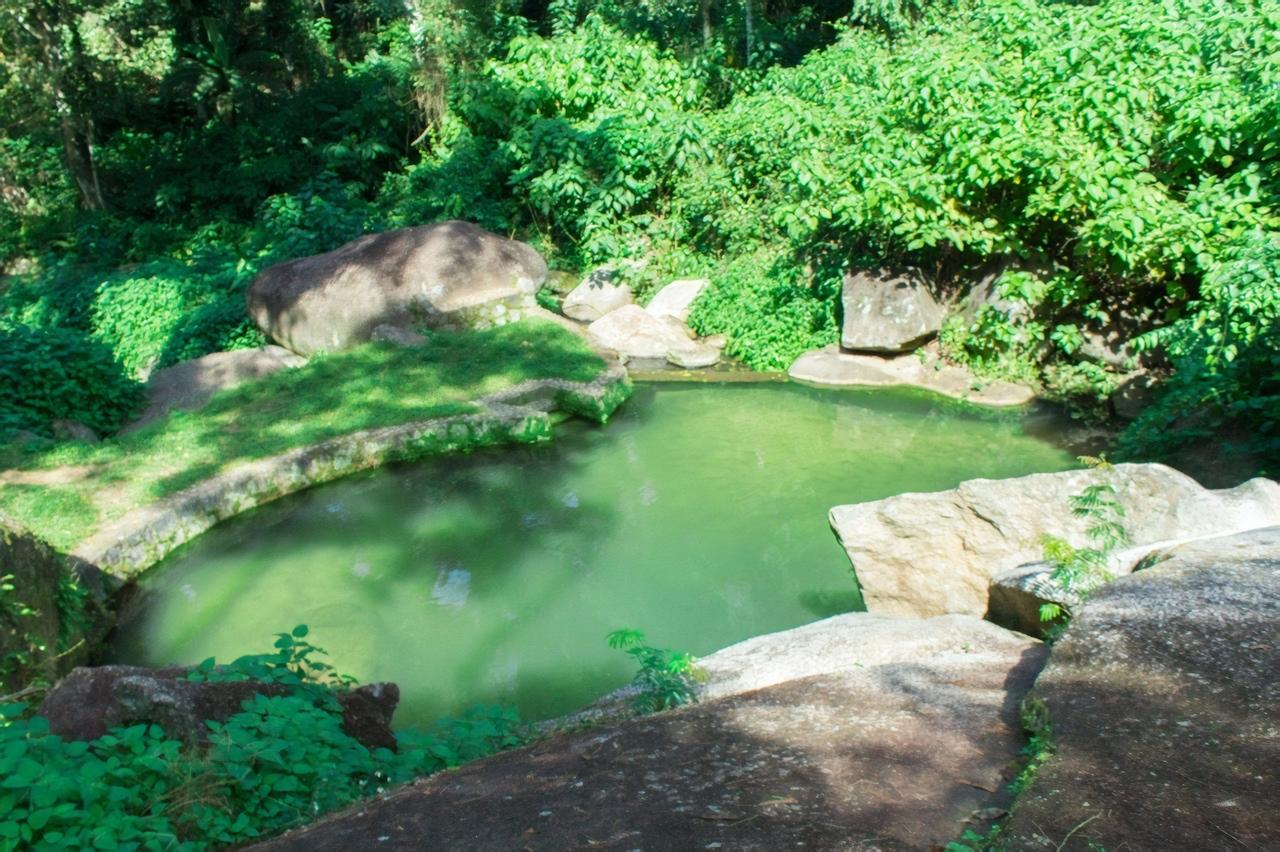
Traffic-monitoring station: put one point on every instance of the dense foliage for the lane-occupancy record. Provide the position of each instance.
(280, 761)
(52, 374)
(1116, 161)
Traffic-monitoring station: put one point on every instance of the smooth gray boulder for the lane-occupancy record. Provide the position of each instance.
(598, 294)
(934, 553)
(449, 275)
(677, 298)
(881, 746)
(888, 311)
(191, 384)
(986, 290)
(1164, 701)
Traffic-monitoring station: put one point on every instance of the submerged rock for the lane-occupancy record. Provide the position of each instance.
(88, 702)
(191, 384)
(1163, 698)
(449, 275)
(598, 294)
(854, 733)
(888, 311)
(929, 554)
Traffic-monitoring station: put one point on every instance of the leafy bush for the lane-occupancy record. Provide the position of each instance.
(770, 311)
(1227, 354)
(281, 761)
(49, 374)
(666, 678)
(1081, 570)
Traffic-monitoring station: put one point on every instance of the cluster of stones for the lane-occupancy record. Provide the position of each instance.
(657, 332)
(892, 316)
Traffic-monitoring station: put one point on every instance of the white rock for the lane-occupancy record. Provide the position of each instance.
(676, 299)
(633, 332)
(597, 295)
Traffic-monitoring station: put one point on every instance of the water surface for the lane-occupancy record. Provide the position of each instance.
(698, 515)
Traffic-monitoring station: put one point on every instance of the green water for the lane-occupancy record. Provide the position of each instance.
(699, 515)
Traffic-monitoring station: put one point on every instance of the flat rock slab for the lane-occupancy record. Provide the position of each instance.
(634, 333)
(1164, 697)
(830, 366)
(896, 754)
(191, 384)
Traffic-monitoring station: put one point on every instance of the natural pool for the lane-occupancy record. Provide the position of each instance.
(698, 515)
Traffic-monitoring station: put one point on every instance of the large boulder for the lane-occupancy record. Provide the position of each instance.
(888, 311)
(856, 733)
(450, 275)
(934, 553)
(191, 384)
(90, 701)
(1164, 702)
(598, 294)
(634, 333)
(677, 298)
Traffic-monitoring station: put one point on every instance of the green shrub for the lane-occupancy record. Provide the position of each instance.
(49, 374)
(281, 761)
(769, 309)
(1081, 570)
(1227, 354)
(666, 678)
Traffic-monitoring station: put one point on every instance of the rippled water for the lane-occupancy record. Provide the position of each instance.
(697, 515)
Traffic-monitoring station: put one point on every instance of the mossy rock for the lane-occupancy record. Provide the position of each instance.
(52, 610)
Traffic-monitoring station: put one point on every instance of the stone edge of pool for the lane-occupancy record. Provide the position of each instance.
(521, 414)
(832, 367)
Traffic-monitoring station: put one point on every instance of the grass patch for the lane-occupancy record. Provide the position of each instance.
(372, 386)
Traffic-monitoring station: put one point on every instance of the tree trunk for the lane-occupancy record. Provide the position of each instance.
(77, 148)
(75, 128)
(751, 31)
